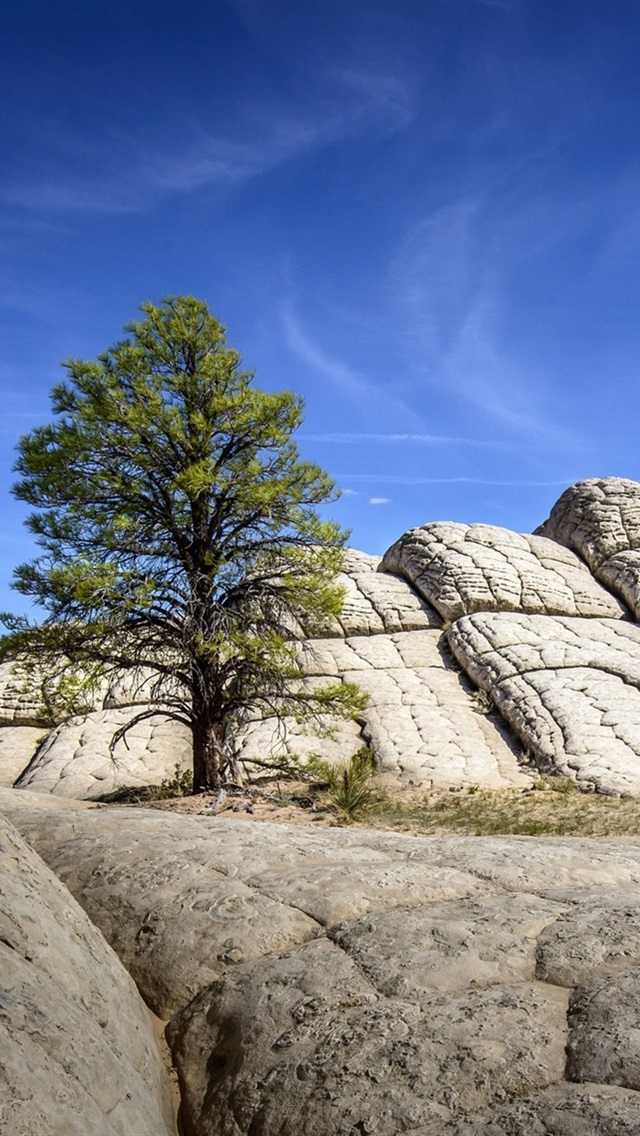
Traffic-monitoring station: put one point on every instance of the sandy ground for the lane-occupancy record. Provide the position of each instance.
(286, 802)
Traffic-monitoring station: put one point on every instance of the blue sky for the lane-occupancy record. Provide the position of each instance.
(424, 217)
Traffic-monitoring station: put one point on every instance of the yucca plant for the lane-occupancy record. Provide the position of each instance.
(347, 784)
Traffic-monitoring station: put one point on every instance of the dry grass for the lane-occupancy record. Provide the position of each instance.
(554, 807)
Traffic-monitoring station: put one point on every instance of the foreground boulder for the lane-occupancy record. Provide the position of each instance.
(182, 899)
(77, 1052)
(434, 987)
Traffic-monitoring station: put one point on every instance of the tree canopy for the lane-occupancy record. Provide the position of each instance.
(179, 532)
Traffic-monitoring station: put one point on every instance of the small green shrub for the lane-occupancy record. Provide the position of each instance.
(556, 784)
(348, 789)
(180, 785)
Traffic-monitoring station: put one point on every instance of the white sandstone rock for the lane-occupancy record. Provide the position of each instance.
(597, 518)
(303, 1043)
(453, 977)
(604, 1030)
(420, 719)
(20, 702)
(18, 744)
(461, 569)
(77, 1051)
(569, 688)
(375, 602)
(75, 760)
(600, 520)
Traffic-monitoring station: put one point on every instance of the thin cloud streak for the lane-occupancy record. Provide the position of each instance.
(449, 283)
(392, 479)
(118, 174)
(422, 439)
(363, 394)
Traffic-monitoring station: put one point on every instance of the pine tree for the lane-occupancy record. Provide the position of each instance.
(179, 531)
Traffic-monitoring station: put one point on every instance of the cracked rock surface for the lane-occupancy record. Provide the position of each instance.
(527, 621)
(20, 704)
(179, 905)
(420, 719)
(379, 603)
(461, 569)
(600, 520)
(75, 760)
(569, 688)
(77, 1052)
(432, 986)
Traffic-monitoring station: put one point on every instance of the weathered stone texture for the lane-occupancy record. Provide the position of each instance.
(420, 719)
(604, 1031)
(20, 702)
(376, 603)
(569, 688)
(77, 1052)
(600, 520)
(337, 1057)
(599, 937)
(597, 518)
(449, 946)
(560, 1110)
(269, 740)
(75, 760)
(461, 569)
(18, 744)
(432, 987)
(180, 900)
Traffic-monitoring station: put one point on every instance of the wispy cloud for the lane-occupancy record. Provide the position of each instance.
(368, 398)
(122, 169)
(392, 479)
(363, 438)
(379, 500)
(386, 100)
(449, 284)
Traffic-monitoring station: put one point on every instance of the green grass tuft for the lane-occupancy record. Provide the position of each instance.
(347, 785)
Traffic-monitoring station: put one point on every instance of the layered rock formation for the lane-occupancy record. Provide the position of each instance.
(570, 688)
(600, 520)
(337, 982)
(340, 982)
(75, 760)
(461, 569)
(544, 625)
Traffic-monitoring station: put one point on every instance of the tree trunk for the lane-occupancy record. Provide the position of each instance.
(208, 752)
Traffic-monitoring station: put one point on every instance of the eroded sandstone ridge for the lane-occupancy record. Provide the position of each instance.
(600, 520)
(336, 982)
(546, 625)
